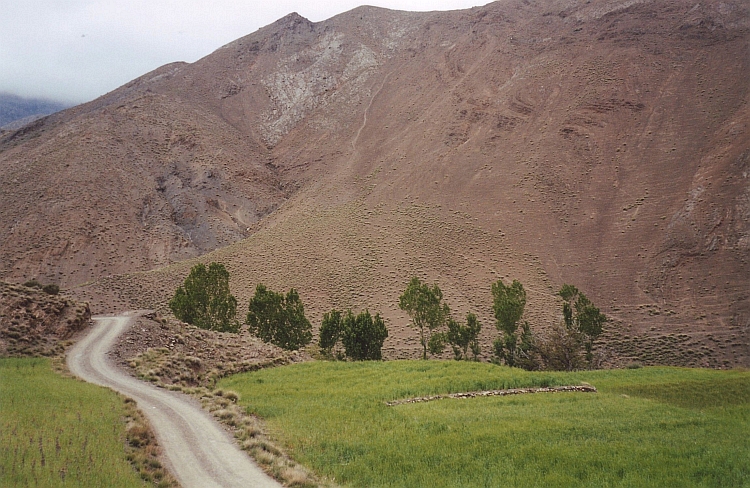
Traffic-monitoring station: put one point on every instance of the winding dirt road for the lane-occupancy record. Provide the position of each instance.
(198, 452)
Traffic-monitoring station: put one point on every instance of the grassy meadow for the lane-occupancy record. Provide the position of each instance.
(57, 431)
(645, 427)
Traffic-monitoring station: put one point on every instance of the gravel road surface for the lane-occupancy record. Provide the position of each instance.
(197, 451)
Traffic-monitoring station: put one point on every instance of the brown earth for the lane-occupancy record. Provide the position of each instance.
(603, 144)
(169, 352)
(34, 323)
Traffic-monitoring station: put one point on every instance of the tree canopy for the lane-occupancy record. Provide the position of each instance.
(423, 304)
(463, 337)
(279, 319)
(508, 303)
(363, 336)
(580, 315)
(204, 300)
(330, 331)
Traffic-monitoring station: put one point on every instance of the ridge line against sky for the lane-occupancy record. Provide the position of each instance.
(73, 51)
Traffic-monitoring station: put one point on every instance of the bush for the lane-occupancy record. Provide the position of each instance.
(51, 289)
(330, 334)
(561, 351)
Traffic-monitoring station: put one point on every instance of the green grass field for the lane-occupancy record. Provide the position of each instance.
(645, 427)
(57, 431)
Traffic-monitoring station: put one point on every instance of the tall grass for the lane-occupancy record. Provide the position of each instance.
(646, 427)
(57, 431)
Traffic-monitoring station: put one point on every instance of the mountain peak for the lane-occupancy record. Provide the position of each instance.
(293, 21)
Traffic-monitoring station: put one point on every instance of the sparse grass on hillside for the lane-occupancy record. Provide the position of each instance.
(56, 431)
(645, 427)
(366, 264)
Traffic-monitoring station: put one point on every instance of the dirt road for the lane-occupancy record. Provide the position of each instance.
(198, 452)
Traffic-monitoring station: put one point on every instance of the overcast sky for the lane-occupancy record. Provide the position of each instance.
(76, 50)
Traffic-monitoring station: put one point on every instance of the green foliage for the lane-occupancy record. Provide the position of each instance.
(266, 313)
(279, 319)
(436, 344)
(527, 355)
(423, 304)
(204, 299)
(363, 336)
(580, 315)
(57, 431)
(650, 427)
(464, 337)
(33, 283)
(508, 303)
(330, 331)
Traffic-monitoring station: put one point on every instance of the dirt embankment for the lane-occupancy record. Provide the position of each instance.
(169, 352)
(35, 323)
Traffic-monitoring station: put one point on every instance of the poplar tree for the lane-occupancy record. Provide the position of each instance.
(424, 305)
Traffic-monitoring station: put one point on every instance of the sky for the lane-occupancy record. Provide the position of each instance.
(76, 50)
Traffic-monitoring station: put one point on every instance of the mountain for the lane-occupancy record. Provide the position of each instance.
(602, 143)
(15, 111)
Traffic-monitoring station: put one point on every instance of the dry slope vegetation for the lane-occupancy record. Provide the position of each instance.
(600, 143)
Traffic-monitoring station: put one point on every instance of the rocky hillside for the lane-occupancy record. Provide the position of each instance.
(602, 143)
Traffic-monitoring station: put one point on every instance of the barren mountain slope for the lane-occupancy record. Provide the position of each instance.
(128, 182)
(600, 143)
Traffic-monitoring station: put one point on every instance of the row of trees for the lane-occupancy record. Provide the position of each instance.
(204, 300)
(428, 313)
(516, 344)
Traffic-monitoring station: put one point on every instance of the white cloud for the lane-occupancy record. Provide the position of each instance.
(76, 50)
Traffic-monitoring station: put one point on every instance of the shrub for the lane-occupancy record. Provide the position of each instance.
(51, 289)
(561, 351)
(330, 332)
(361, 336)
